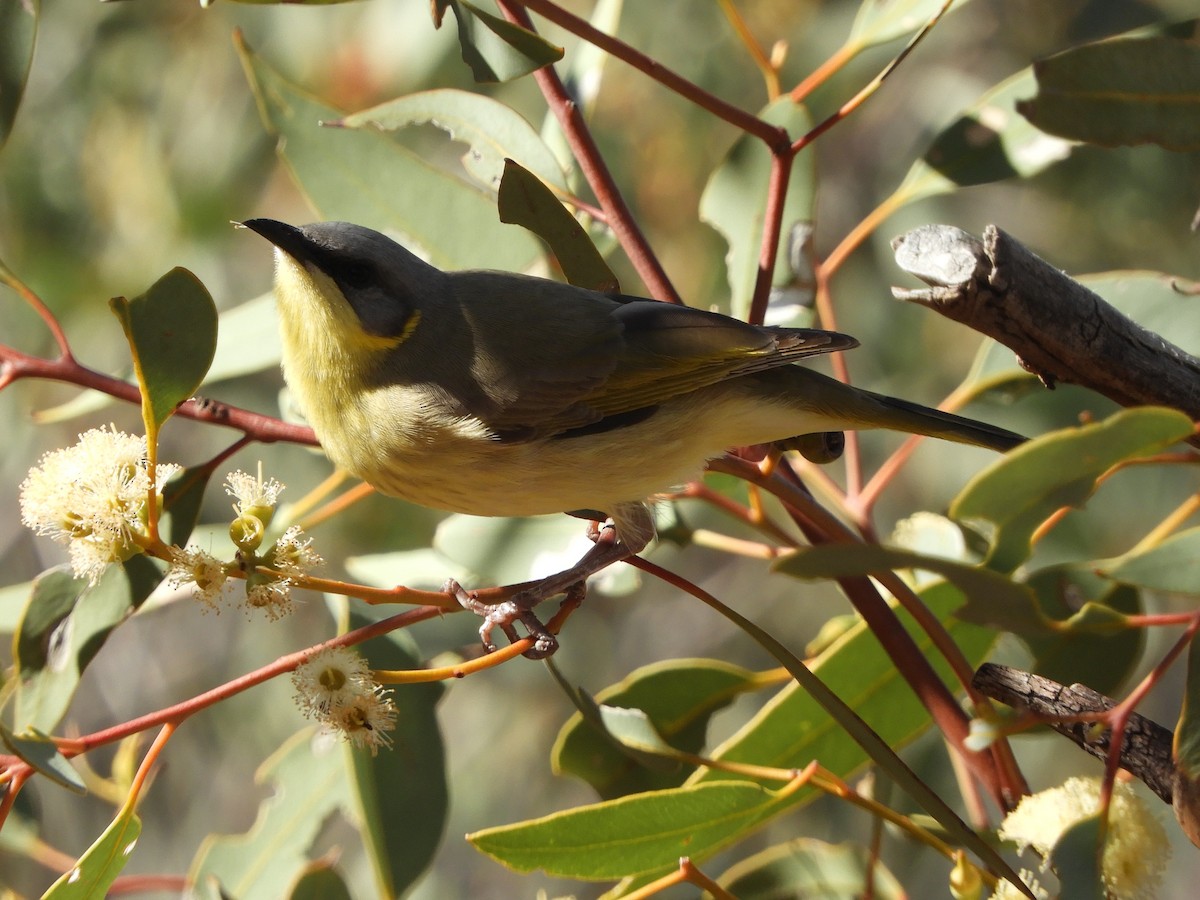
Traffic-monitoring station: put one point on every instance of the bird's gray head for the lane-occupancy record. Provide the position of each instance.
(383, 283)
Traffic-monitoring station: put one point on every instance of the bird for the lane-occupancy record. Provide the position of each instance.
(501, 394)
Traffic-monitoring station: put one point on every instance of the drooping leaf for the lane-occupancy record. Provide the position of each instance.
(734, 201)
(492, 131)
(399, 795)
(1018, 492)
(364, 176)
(100, 865)
(494, 48)
(172, 334)
(64, 625)
(806, 867)
(524, 200)
(39, 751)
(18, 34)
(989, 142)
(678, 697)
(1119, 93)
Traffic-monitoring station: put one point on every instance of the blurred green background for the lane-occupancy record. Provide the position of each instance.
(137, 144)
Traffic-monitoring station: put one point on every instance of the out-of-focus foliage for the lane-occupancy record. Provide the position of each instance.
(144, 129)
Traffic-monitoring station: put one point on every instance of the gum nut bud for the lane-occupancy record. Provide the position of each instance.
(247, 532)
(262, 512)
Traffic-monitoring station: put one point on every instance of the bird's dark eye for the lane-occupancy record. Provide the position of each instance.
(355, 275)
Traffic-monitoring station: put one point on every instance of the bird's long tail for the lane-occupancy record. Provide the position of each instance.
(865, 409)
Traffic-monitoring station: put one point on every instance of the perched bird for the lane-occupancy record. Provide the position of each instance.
(498, 394)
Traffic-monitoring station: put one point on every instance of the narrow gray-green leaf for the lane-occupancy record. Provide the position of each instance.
(364, 176)
(492, 131)
(1119, 93)
(18, 34)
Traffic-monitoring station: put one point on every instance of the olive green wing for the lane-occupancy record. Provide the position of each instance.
(548, 358)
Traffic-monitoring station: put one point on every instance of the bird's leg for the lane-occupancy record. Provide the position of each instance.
(629, 533)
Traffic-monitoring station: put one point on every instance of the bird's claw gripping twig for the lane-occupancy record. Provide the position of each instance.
(503, 616)
(519, 607)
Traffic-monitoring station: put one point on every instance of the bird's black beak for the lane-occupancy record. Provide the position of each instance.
(288, 238)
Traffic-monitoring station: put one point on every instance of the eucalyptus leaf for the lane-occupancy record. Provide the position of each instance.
(807, 867)
(102, 862)
(494, 48)
(18, 34)
(1119, 93)
(364, 176)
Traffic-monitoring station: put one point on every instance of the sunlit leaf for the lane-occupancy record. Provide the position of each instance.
(1173, 565)
(989, 142)
(364, 176)
(1019, 491)
(494, 48)
(172, 334)
(633, 835)
(100, 865)
(734, 201)
(1119, 93)
(18, 33)
(492, 131)
(524, 200)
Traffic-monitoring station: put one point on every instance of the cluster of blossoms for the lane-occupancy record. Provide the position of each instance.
(336, 688)
(1135, 847)
(288, 557)
(92, 497)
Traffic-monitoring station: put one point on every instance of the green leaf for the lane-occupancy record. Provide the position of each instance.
(678, 697)
(309, 781)
(1090, 642)
(493, 132)
(1173, 565)
(524, 200)
(39, 751)
(988, 142)
(494, 48)
(792, 728)
(64, 625)
(1019, 491)
(734, 201)
(364, 176)
(100, 865)
(633, 835)
(247, 340)
(18, 34)
(1075, 859)
(400, 797)
(1186, 750)
(1120, 93)
(320, 881)
(879, 21)
(172, 334)
(806, 867)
